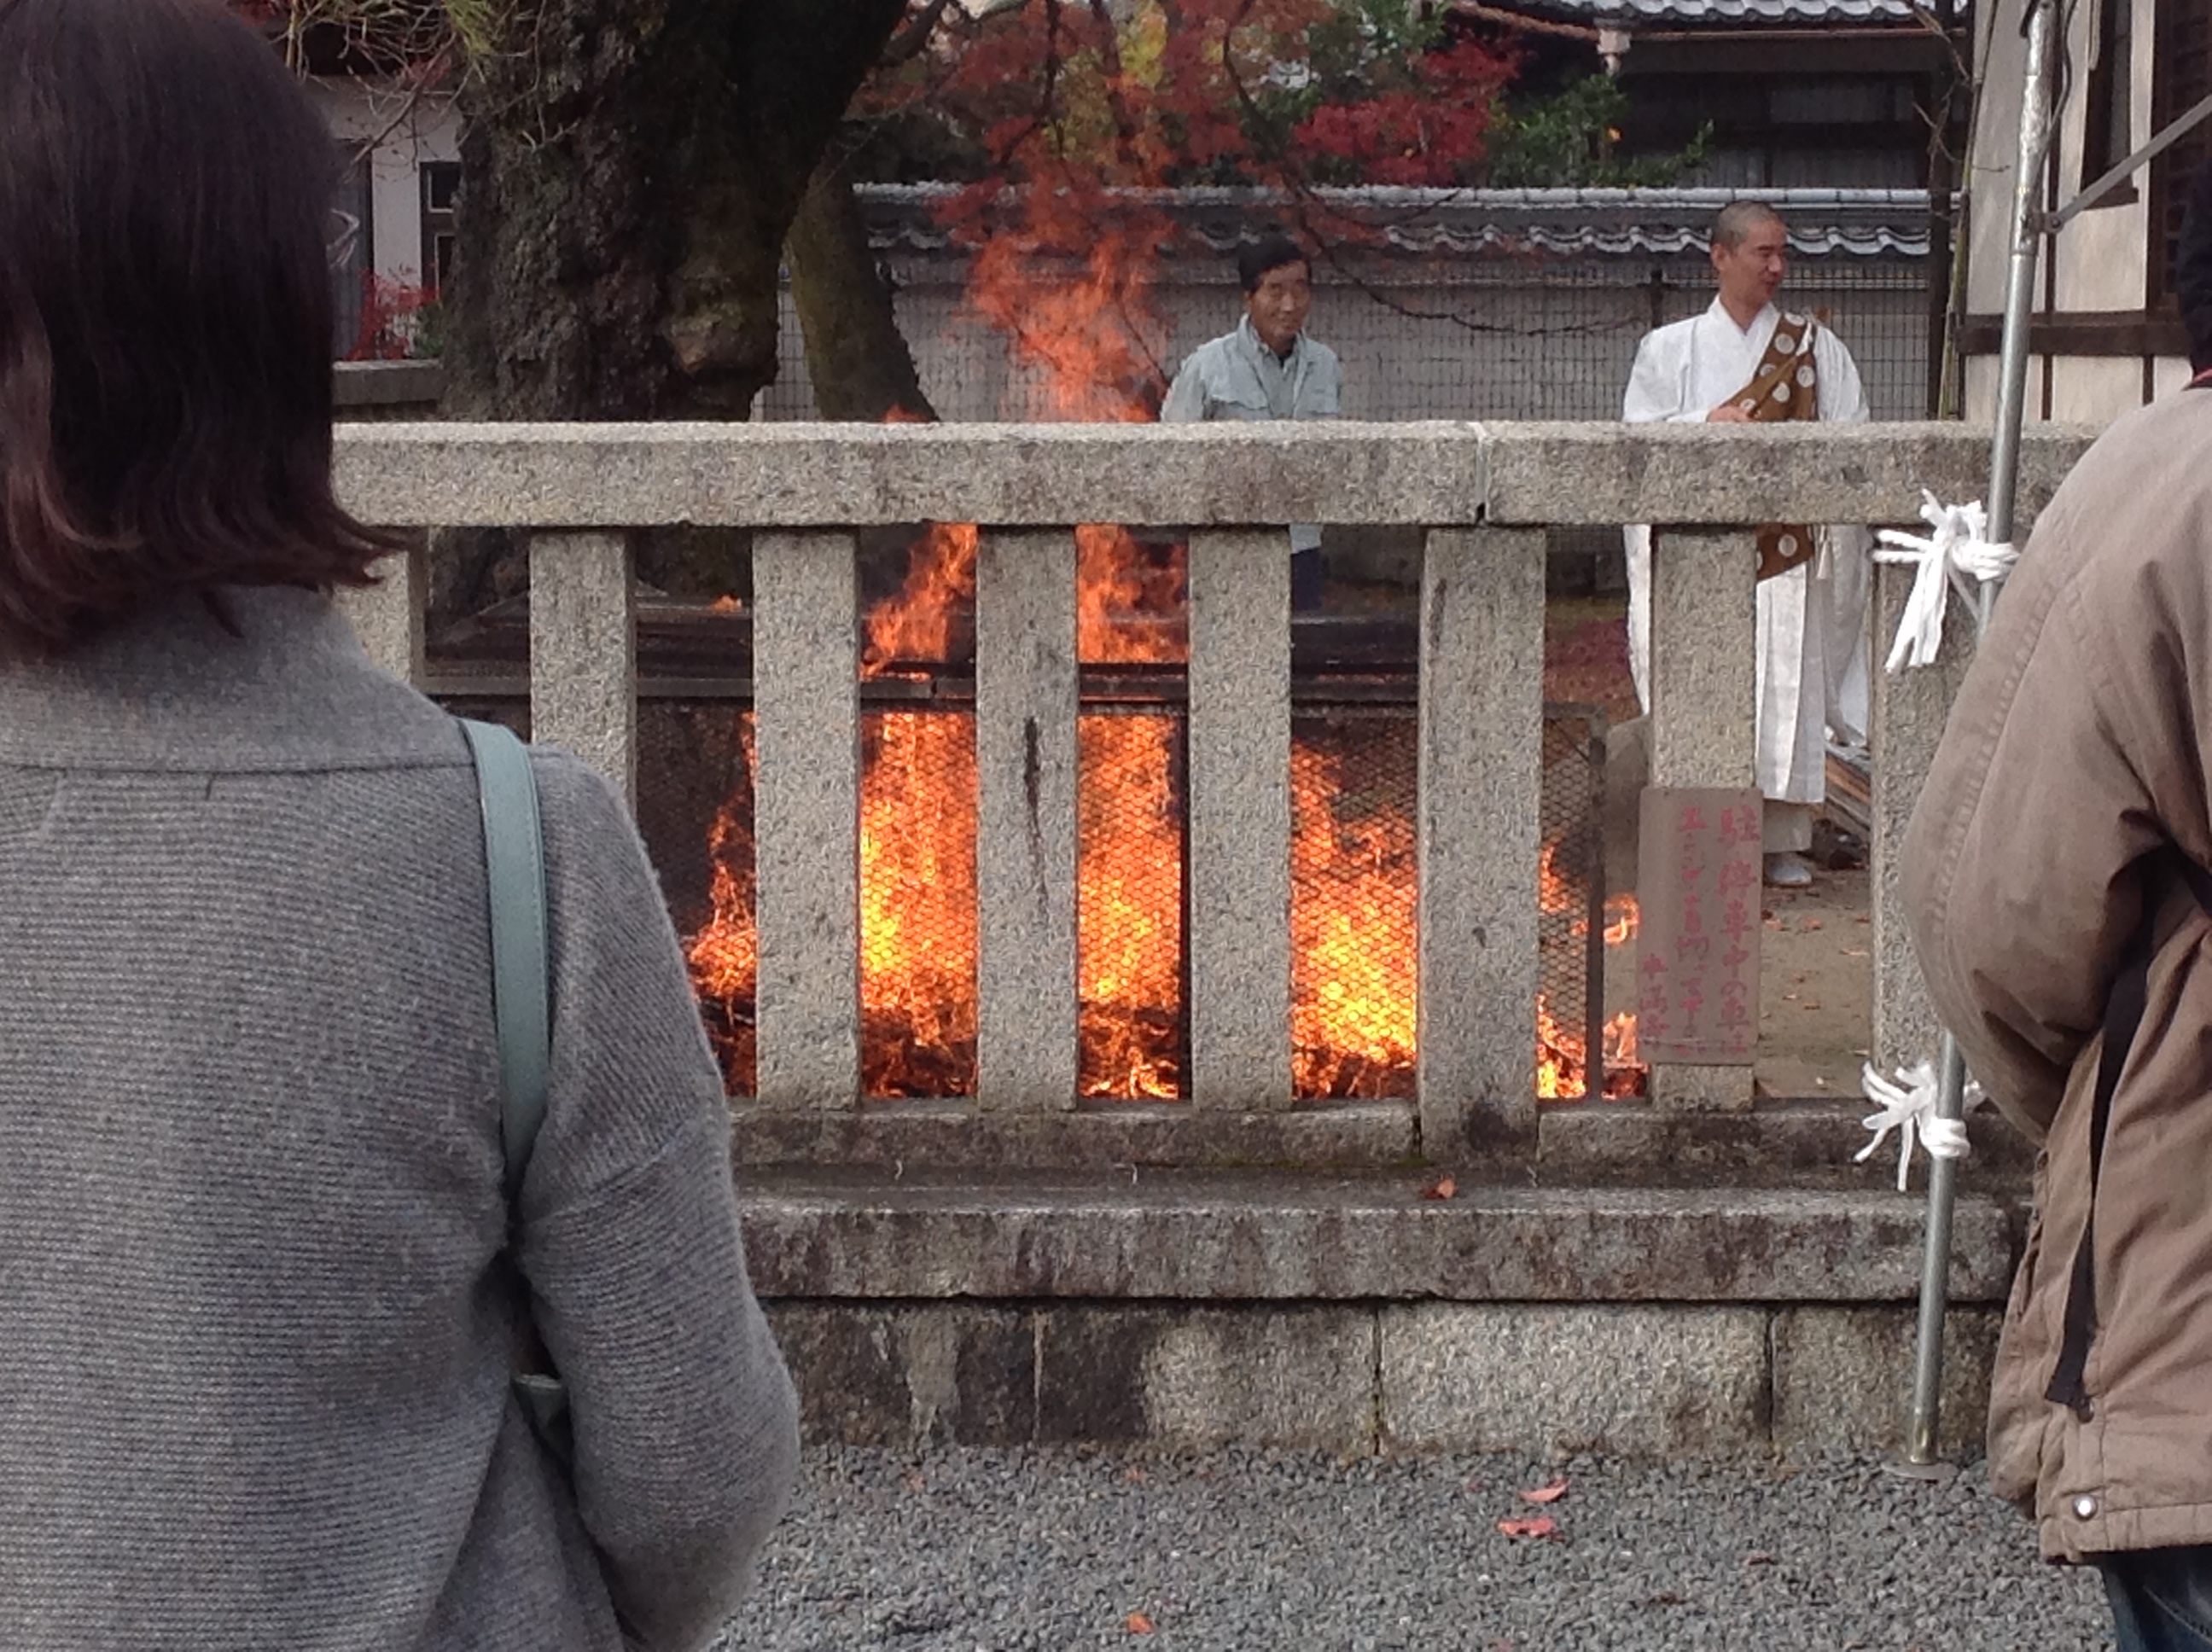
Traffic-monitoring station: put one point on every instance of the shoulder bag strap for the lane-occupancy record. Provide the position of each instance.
(514, 865)
(521, 984)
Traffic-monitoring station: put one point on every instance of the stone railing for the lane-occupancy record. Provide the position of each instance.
(391, 391)
(1484, 494)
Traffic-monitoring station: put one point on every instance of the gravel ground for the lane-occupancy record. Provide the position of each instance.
(1042, 1552)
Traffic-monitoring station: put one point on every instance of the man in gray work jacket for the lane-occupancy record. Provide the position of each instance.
(1266, 369)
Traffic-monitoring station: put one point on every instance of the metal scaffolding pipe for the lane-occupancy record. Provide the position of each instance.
(2037, 115)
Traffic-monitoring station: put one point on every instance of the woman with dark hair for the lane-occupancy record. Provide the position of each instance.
(260, 1282)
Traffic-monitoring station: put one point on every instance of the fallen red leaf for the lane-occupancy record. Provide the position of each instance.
(1551, 1493)
(1542, 1526)
(1139, 1623)
(1441, 1187)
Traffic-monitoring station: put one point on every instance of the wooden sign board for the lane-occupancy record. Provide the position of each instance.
(1698, 866)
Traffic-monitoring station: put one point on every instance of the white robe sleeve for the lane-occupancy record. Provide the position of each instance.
(1658, 384)
(1843, 397)
(1848, 568)
(1657, 387)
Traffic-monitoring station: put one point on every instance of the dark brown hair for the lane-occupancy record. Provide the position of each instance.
(165, 318)
(1271, 251)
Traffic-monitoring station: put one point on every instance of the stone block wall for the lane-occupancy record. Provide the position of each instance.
(1706, 1381)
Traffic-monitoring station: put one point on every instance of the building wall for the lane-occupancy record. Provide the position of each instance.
(1435, 337)
(2099, 264)
(404, 131)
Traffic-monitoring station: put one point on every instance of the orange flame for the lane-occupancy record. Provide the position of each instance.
(1130, 607)
(1562, 1053)
(1353, 852)
(1624, 1075)
(1094, 336)
(1354, 901)
(1129, 906)
(1559, 1057)
(918, 814)
(725, 953)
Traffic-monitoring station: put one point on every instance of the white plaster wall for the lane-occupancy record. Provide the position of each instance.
(2002, 57)
(411, 130)
(2099, 261)
(2100, 253)
(2095, 390)
(1982, 387)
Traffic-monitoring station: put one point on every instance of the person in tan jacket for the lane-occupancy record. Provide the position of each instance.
(2052, 875)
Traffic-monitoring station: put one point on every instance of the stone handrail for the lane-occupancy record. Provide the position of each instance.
(1484, 492)
(1427, 474)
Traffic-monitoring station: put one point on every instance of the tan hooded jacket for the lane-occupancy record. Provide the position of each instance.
(2074, 762)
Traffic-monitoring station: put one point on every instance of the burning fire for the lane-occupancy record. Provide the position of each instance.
(1129, 855)
(1562, 1051)
(1353, 875)
(1354, 889)
(725, 954)
(918, 813)
(1354, 896)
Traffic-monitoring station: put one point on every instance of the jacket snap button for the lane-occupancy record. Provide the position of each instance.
(2084, 1507)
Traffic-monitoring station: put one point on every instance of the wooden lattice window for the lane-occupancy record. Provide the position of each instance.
(2181, 77)
(441, 188)
(2109, 111)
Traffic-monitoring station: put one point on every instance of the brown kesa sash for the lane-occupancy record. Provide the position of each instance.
(1785, 386)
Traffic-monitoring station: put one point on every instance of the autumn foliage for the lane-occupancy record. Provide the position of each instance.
(1076, 118)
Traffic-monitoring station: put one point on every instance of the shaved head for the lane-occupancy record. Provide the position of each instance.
(1738, 220)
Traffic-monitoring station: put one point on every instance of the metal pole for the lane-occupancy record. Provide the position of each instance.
(2035, 129)
(1936, 1268)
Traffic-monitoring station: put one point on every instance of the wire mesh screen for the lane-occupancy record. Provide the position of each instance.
(918, 821)
(1355, 891)
(1472, 338)
(1354, 895)
(1131, 788)
(1571, 903)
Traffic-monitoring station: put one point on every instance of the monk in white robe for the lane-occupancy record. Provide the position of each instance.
(1811, 623)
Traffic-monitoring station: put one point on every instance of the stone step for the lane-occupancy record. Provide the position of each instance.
(1191, 1312)
(1254, 1237)
(1804, 1141)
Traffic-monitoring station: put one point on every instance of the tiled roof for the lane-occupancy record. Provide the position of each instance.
(1604, 222)
(1632, 12)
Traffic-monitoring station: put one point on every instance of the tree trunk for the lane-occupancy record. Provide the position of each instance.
(856, 354)
(630, 170)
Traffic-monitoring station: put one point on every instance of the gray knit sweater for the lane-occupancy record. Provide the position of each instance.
(254, 1337)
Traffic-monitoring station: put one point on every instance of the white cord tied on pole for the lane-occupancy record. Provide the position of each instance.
(1956, 551)
(1908, 1106)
